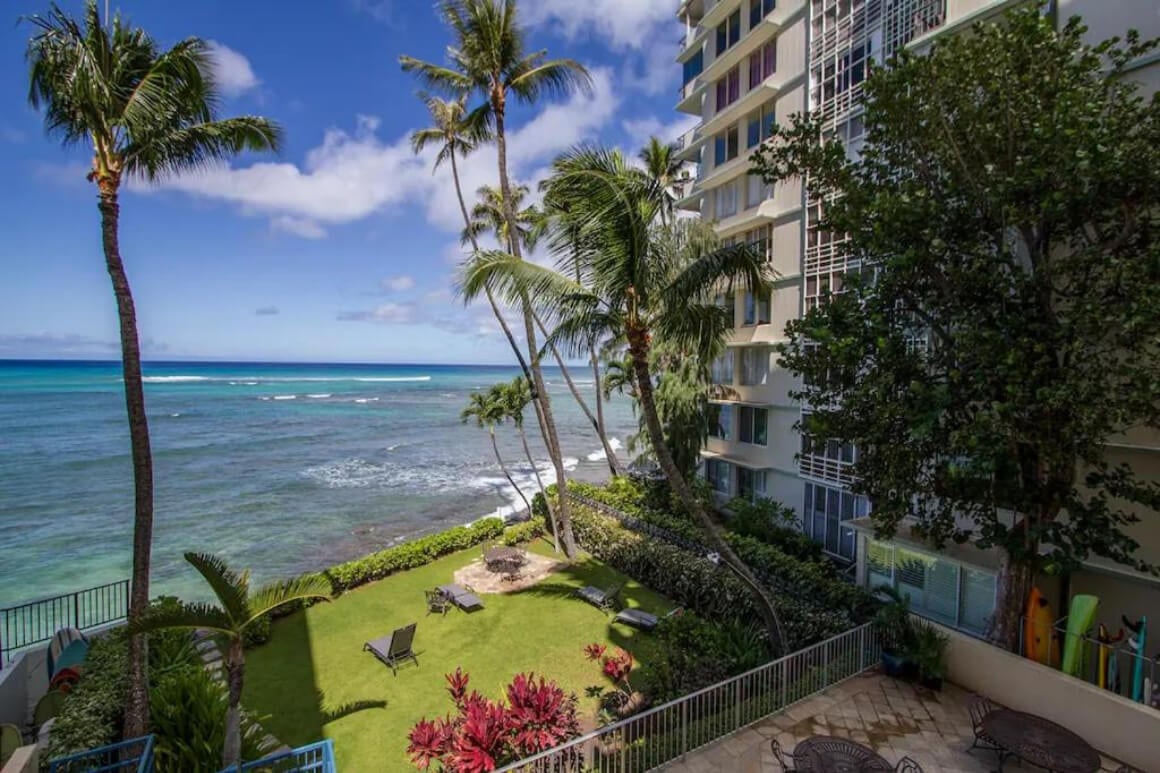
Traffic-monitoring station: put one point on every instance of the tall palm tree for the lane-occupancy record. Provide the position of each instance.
(531, 224)
(645, 280)
(487, 216)
(145, 113)
(515, 398)
(457, 134)
(238, 609)
(662, 165)
(488, 56)
(488, 410)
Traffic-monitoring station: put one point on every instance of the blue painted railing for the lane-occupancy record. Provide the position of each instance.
(315, 758)
(132, 756)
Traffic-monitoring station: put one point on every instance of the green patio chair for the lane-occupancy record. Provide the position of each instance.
(10, 741)
(47, 708)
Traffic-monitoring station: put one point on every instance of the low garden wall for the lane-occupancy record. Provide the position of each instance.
(1118, 727)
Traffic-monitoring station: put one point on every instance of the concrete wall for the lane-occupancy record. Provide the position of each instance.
(22, 683)
(1120, 728)
(24, 760)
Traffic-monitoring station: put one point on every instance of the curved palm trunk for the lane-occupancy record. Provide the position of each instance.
(235, 670)
(540, 483)
(503, 467)
(597, 424)
(638, 347)
(540, 393)
(137, 703)
(507, 331)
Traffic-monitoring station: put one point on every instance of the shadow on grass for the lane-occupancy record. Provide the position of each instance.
(295, 707)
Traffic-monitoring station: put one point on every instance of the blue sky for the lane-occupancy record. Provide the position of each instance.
(342, 247)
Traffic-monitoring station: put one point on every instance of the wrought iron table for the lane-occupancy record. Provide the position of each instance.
(507, 561)
(1039, 741)
(837, 755)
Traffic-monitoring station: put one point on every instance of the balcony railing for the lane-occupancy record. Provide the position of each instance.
(676, 728)
(132, 756)
(315, 758)
(35, 622)
(829, 470)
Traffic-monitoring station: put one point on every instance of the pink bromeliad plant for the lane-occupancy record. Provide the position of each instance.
(484, 734)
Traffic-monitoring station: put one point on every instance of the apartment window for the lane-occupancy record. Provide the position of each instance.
(756, 192)
(694, 66)
(720, 421)
(717, 473)
(762, 63)
(758, 10)
(751, 484)
(729, 32)
(753, 130)
(727, 200)
(756, 309)
(758, 239)
(826, 512)
(721, 372)
(726, 146)
(728, 89)
(753, 427)
(754, 366)
(959, 596)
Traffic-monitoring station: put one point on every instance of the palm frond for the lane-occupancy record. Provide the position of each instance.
(515, 280)
(739, 264)
(183, 615)
(534, 78)
(230, 587)
(436, 77)
(201, 145)
(695, 327)
(307, 587)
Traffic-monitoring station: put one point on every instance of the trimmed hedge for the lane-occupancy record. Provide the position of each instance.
(412, 554)
(523, 532)
(697, 583)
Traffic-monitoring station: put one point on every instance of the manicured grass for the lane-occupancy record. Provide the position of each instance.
(314, 665)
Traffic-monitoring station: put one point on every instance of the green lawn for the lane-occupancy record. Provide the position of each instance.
(314, 663)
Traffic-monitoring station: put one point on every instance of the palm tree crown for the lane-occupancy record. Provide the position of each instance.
(452, 129)
(487, 216)
(662, 165)
(146, 112)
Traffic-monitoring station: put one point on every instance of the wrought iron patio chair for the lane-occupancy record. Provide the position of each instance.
(437, 602)
(785, 761)
(979, 708)
(907, 765)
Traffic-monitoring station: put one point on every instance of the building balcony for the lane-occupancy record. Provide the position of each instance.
(749, 101)
(691, 96)
(770, 26)
(689, 145)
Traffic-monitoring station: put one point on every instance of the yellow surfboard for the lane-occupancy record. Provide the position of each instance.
(1037, 629)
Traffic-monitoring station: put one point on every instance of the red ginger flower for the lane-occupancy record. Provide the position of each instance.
(594, 651)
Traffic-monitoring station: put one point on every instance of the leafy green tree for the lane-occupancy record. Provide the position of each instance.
(145, 113)
(457, 134)
(644, 279)
(661, 162)
(238, 610)
(489, 57)
(1006, 210)
(489, 409)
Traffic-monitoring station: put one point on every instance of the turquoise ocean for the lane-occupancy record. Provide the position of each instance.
(281, 468)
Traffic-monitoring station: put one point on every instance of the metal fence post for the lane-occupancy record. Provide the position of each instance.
(684, 727)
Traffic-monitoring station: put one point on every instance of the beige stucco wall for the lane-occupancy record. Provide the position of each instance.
(24, 760)
(1120, 728)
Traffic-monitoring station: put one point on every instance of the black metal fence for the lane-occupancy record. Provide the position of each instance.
(34, 622)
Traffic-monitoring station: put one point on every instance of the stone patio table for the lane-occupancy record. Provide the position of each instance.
(828, 754)
(1040, 741)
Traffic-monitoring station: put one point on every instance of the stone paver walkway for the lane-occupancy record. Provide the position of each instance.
(894, 718)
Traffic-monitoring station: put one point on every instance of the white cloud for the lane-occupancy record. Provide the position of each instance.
(639, 130)
(390, 313)
(623, 23)
(232, 70)
(355, 174)
(398, 283)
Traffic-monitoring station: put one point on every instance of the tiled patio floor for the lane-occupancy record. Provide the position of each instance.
(894, 718)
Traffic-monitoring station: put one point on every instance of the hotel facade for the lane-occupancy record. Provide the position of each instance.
(747, 66)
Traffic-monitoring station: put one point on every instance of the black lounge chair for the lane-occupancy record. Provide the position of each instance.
(394, 649)
(600, 598)
(464, 598)
(645, 621)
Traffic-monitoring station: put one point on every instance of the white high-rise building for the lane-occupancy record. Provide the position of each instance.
(751, 63)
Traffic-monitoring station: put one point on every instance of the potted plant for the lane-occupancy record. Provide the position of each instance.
(895, 630)
(929, 654)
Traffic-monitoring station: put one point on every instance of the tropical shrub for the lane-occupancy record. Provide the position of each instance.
(523, 532)
(258, 632)
(772, 523)
(188, 721)
(698, 584)
(412, 554)
(627, 496)
(483, 734)
(690, 656)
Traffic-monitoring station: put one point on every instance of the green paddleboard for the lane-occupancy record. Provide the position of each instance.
(1079, 622)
